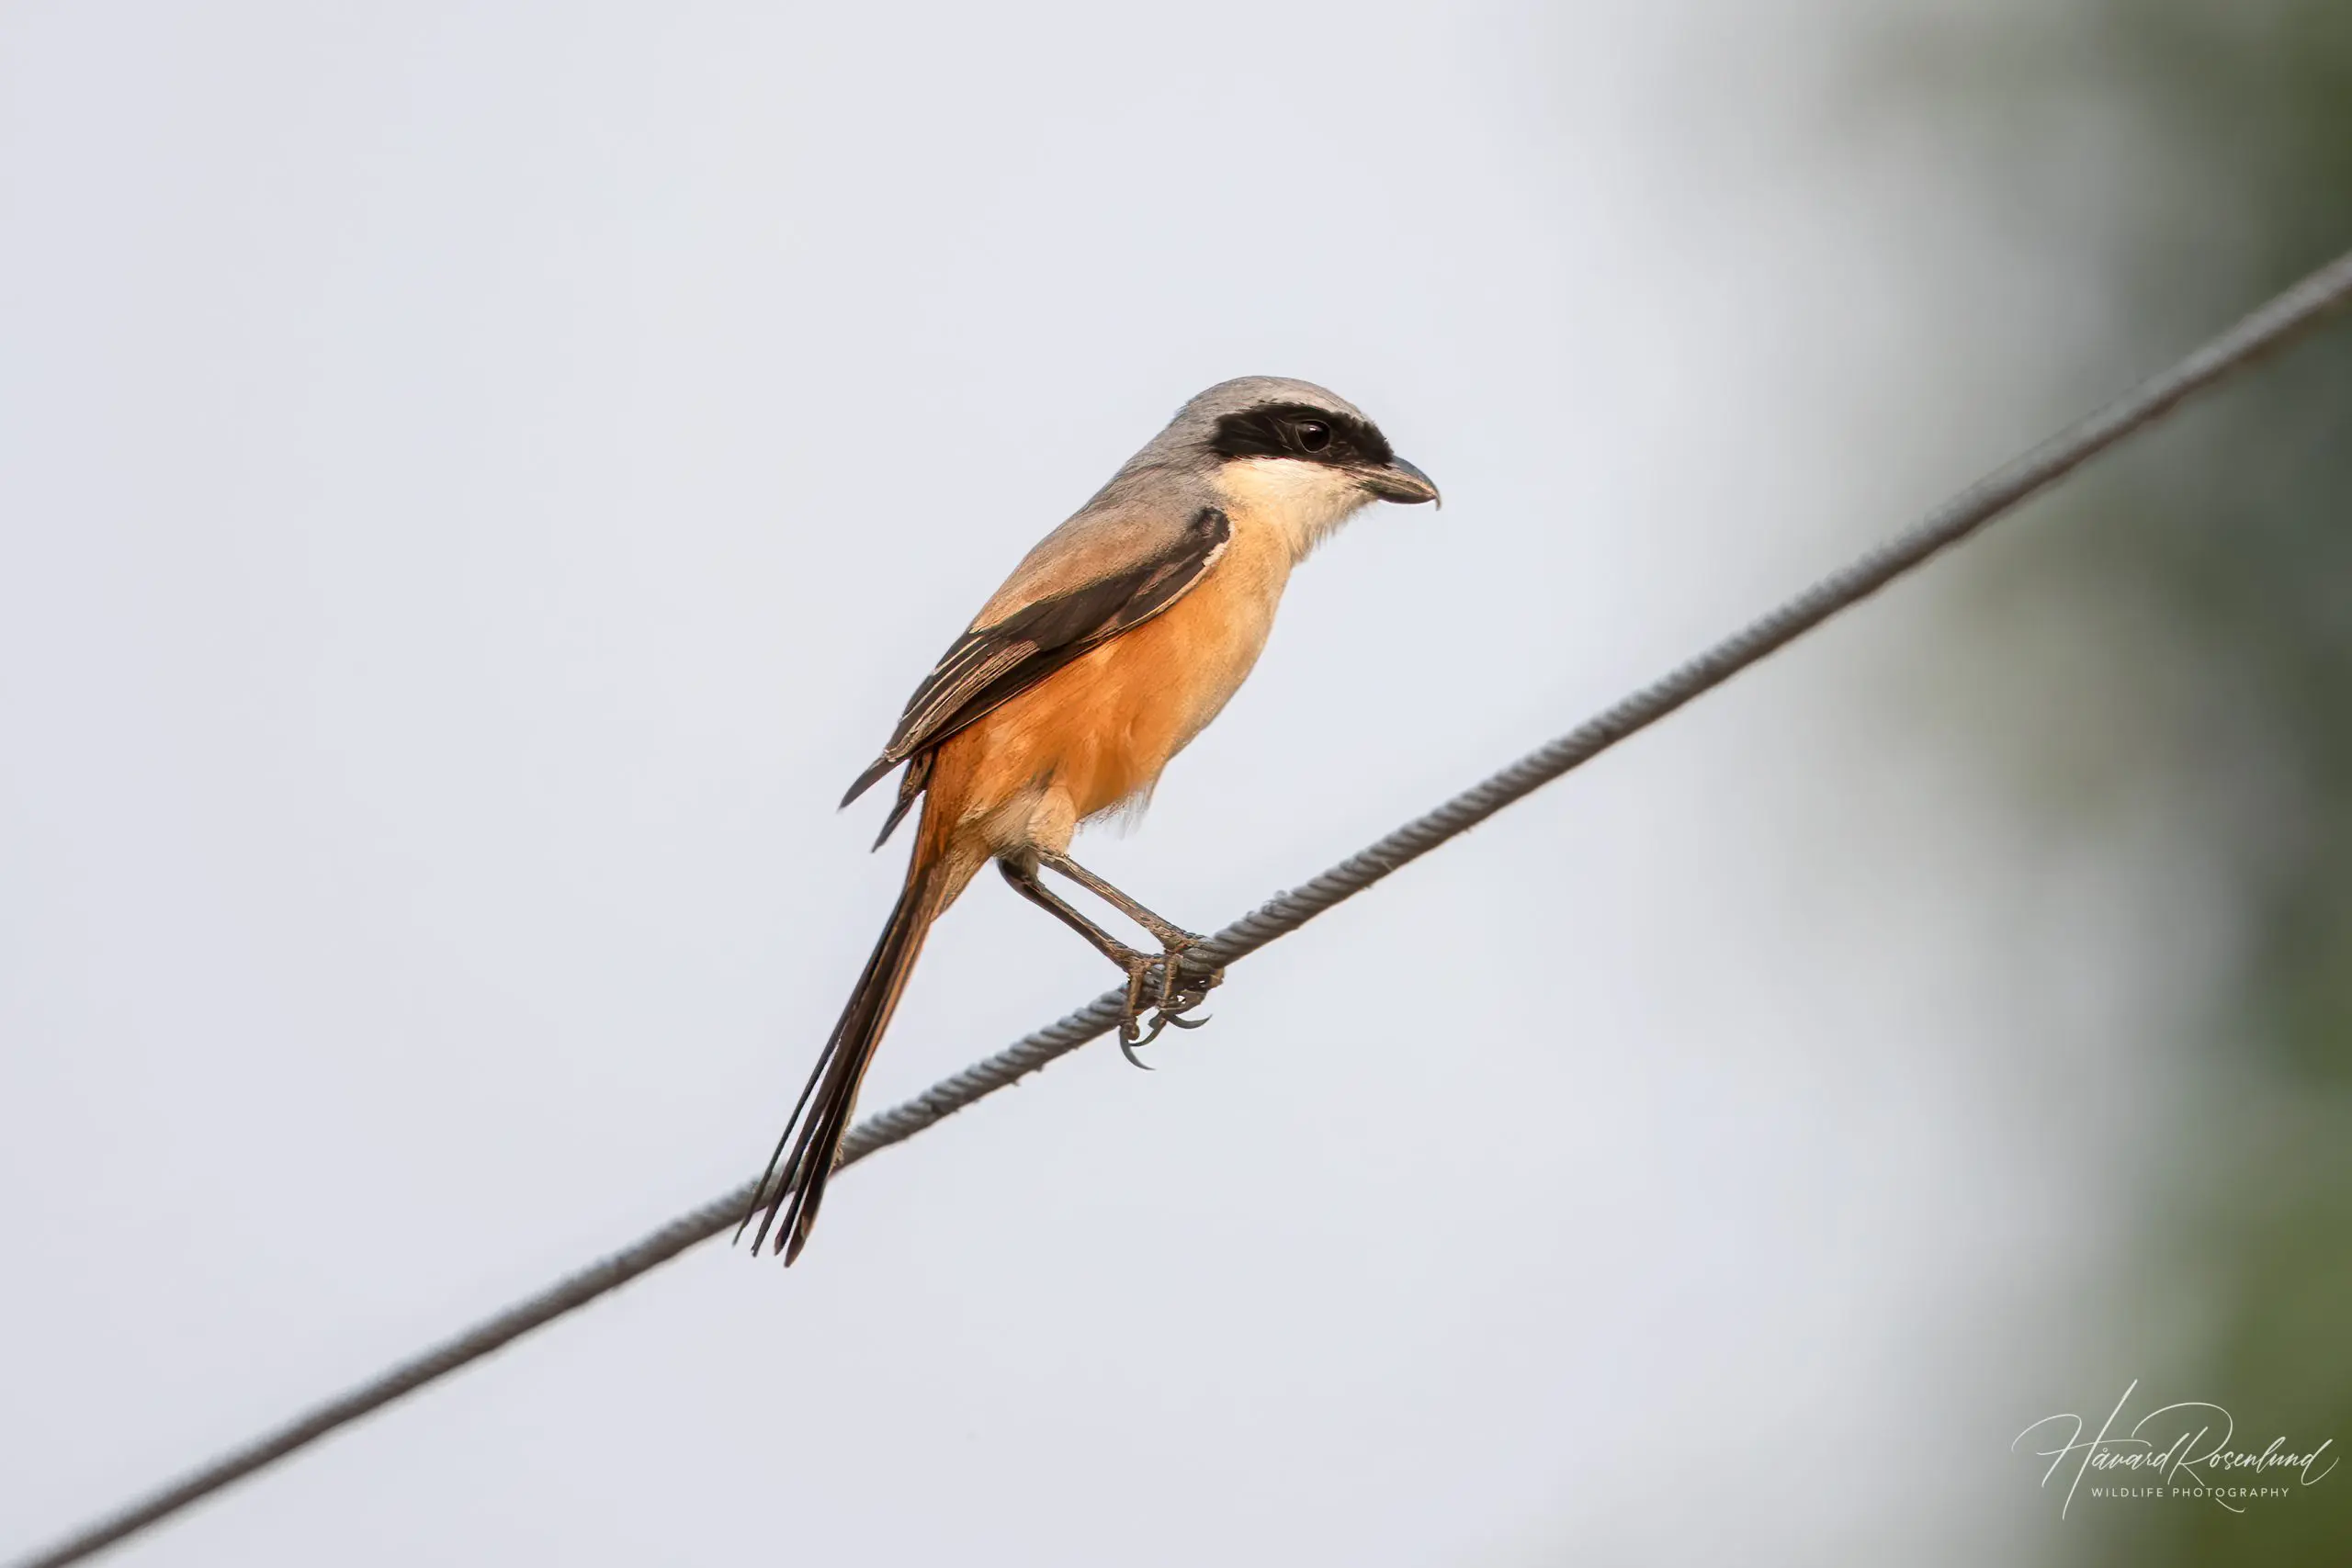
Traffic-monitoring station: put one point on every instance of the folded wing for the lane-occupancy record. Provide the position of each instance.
(991, 665)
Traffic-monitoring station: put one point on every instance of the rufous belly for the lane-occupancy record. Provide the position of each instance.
(1097, 732)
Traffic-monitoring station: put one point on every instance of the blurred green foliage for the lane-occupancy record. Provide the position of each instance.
(2243, 535)
(2227, 544)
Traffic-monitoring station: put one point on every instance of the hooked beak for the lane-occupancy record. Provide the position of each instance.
(1398, 480)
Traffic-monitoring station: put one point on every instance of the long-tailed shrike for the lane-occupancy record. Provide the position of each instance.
(1111, 645)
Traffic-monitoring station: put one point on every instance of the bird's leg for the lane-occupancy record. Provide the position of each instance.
(1137, 965)
(1179, 990)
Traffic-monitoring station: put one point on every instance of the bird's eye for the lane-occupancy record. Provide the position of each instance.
(1313, 435)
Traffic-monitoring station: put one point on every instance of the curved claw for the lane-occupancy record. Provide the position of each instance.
(1178, 995)
(1131, 1035)
(1160, 1022)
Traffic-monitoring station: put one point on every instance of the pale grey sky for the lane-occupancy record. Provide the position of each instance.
(476, 482)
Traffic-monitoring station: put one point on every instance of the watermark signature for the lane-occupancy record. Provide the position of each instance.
(2186, 1449)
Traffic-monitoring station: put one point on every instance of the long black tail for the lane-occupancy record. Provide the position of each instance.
(812, 1138)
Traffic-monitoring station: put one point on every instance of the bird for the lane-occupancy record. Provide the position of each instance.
(1113, 643)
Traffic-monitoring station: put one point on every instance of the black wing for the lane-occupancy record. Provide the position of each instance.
(990, 665)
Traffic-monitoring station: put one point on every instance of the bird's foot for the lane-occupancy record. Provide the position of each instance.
(1180, 987)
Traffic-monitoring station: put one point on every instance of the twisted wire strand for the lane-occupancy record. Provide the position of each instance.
(2287, 315)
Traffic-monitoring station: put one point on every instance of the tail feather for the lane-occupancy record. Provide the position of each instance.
(812, 1138)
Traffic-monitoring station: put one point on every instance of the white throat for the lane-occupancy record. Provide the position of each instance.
(1307, 501)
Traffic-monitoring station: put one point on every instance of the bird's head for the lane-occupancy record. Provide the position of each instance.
(1303, 455)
